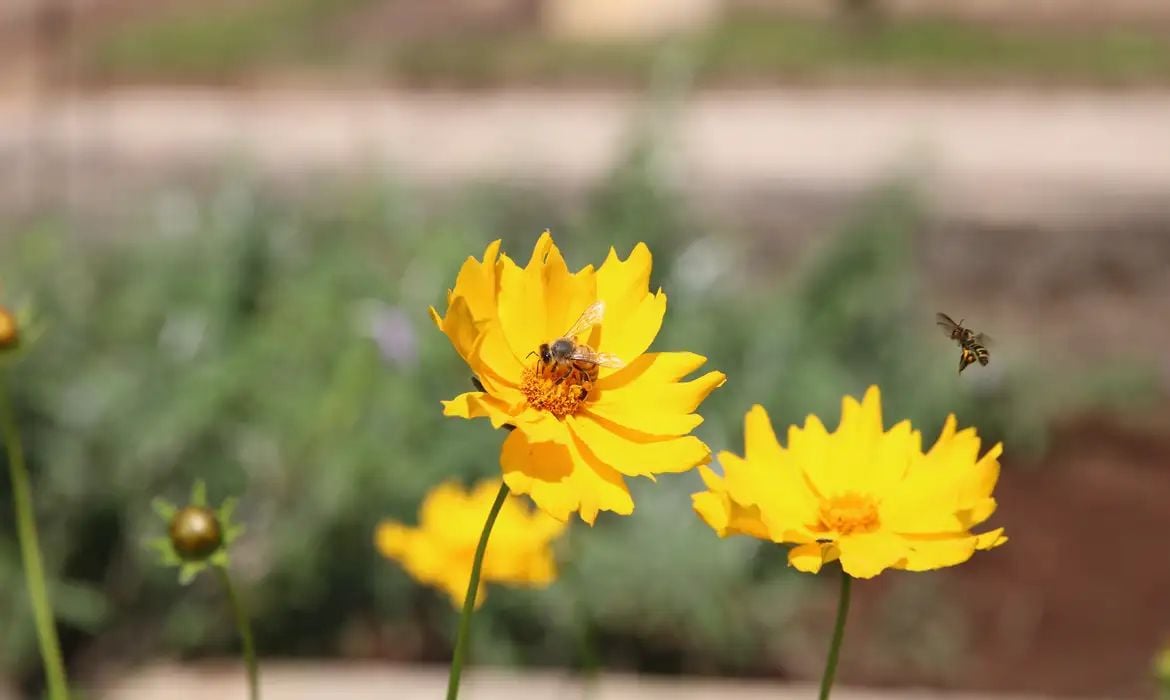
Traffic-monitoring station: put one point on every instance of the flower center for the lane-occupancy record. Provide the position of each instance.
(545, 393)
(849, 513)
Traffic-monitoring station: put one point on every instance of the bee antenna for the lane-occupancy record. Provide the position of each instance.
(530, 354)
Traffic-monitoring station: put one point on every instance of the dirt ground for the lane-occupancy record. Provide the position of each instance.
(1079, 600)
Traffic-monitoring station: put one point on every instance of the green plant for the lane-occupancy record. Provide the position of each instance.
(281, 350)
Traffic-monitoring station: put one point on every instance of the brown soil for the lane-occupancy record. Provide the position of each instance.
(1079, 600)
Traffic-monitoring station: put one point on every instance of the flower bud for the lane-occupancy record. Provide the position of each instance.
(9, 330)
(195, 533)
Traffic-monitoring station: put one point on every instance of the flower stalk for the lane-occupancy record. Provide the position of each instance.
(462, 640)
(34, 570)
(244, 627)
(838, 635)
(198, 538)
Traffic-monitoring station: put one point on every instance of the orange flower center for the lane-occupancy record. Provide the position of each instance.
(849, 514)
(545, 393)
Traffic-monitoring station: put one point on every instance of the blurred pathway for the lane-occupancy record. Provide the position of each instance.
(1018, 154)
(312, 681)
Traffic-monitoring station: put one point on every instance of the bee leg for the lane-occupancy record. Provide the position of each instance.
(565, 375)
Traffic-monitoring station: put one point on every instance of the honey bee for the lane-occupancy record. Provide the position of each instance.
(566, 357)
(971, 344)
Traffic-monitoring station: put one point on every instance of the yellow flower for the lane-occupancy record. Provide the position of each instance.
(9, 329)
(866, 496)
(575, 439)
(439, 552)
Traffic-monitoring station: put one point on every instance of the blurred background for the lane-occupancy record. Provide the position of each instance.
(232, 217)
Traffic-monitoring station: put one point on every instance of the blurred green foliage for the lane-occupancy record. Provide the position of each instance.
(282, 352)
(230, 42)
(223, 42)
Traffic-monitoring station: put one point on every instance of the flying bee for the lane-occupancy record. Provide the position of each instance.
(971, 344)
(567, 357)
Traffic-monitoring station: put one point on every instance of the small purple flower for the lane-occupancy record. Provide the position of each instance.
(391, 329)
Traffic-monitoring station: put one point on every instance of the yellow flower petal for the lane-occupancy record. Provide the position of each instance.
(521, 305)
(651, 368)
(543, 460)
(477, 281)
(946, 490)
(496, 359)
(476, 404)
(471, 302)
(935, 552)
(459, 325)
(633, 314)
(714, 509)
(674, 403)
(847, 466)
(540, 302)
(561, 478)
(806, 557)
(724, 516)
(440, 551)
(867, 555)
(813, 452)
(637, 454)
(770, 478)
(990, 539)
(391, 539)
(569, 294)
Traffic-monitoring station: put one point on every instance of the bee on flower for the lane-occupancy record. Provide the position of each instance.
(567, 358)
(564, 358)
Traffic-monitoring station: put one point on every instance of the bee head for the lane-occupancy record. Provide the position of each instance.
(543, 352)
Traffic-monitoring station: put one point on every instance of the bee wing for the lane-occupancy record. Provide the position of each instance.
(984, 339)
(609, 360)
(603, 359)
(589, 318)
(945, 321)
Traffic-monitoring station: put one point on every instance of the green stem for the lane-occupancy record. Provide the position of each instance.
(469, 601)
(838, 634)
(245, 630)
(34, 569)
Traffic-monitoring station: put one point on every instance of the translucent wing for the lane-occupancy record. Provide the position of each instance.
(984, 339)
(603, 359)
(589, 318)
(945, 321)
